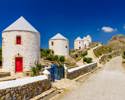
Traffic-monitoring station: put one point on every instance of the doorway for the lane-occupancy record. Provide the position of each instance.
(18, 64)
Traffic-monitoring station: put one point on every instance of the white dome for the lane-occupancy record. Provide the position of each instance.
(21, 24)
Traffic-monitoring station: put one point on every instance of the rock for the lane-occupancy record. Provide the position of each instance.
(8, 97)
(2, 98)
(19, 98)
(14, 97)
(12, 92)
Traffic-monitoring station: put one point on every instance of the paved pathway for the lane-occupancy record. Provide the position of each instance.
(107, 84)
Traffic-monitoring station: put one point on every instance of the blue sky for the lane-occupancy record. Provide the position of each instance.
(100, 18)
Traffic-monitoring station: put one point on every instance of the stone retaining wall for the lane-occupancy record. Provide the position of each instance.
(80, 71)
(25, 92)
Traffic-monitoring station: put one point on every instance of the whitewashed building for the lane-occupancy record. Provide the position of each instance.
(78, 43)
(89, 38)
(20, 47)
(81, 43)
(59, 44)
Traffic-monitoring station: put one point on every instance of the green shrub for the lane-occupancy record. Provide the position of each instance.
(50, 57)
(39, 66)
(36, 70)
(110, 56)
(62, 59)
(84, 54)
(87, 59)
(123, 55)
(46, 52)
(56, 58)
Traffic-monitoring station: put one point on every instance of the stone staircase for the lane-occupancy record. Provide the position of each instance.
(4, 74)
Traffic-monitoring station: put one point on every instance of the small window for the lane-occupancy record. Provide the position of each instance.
(18, 40)
(52, 43)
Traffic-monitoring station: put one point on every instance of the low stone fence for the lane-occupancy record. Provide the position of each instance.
(75, 72)
(24, 89)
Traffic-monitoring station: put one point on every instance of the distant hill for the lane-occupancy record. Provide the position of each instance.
(117, 42)
(118, 38)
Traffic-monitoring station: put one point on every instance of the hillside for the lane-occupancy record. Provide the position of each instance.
(117, 42)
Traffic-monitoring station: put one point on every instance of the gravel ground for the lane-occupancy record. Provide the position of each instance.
(107, 84)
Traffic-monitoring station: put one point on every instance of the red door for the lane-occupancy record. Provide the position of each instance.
(18, 64)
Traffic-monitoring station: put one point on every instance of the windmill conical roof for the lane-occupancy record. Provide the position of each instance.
(21, 24)
(58, 36)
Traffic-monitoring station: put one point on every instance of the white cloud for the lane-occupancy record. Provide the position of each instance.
(108, 29)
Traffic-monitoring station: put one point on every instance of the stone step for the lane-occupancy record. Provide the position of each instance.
(47, 94)
(4, 74)
(7, 78)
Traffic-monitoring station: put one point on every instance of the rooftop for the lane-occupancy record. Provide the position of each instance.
(21, 24)
(58, 36)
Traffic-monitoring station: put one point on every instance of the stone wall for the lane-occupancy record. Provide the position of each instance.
(25, 92)
(80, 70)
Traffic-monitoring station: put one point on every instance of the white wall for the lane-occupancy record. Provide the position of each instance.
(21, 81)
(78, 43)
(29, 49)
(59, 47)
(84, 43)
